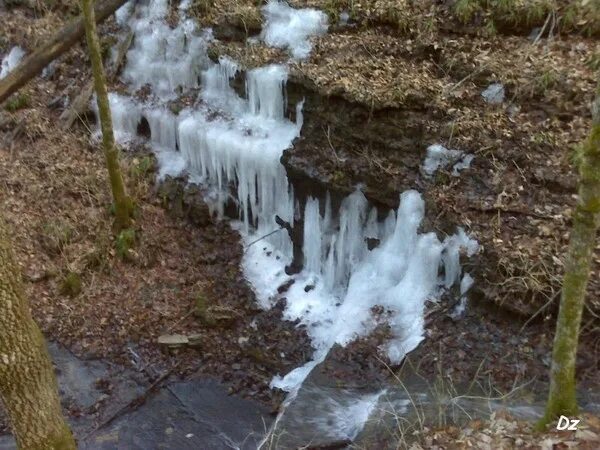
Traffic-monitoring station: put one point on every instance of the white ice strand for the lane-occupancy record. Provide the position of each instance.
(163, 128)
(350, 244)
(265, 87)
(216, 85)
(166, 59)
(126, 116)
(451, 257)
(407, 298)
(312, 237)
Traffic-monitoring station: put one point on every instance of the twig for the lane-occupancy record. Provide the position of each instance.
(495, 209)
(554, 297)
(339, 160)
(538, 37)
(180, 320)
(136, 402)
(261, 238)
(472, 74)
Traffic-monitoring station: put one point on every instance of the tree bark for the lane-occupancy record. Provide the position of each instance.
(123, 204)
(56, 46)
(81, 103)
(28, 386)
(562, 397)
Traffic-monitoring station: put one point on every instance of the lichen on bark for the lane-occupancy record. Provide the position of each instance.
(123, 203)
(28, 386)
(562, 397)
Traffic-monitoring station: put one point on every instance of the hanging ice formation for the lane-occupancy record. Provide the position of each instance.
(232, 145)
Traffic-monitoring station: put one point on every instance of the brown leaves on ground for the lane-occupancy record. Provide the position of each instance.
(502, 431)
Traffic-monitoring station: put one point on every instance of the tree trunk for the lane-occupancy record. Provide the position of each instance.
(123, 204)
(562, 398)
(81, 103)
(28, 386)
(56, 46)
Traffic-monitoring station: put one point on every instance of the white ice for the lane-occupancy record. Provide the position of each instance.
(440, 157)
(290, 28)
(123, 14)
(11, 60)
(344, 418)
(233, 143)
(169, 60)
(400, 275)
(494, 94)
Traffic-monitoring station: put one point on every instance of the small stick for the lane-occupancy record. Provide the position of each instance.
(138, 401)
(262, 237)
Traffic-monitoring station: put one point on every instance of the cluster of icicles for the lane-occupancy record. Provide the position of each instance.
(232, 145)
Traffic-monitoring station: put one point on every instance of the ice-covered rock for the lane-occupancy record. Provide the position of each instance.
(233, 144)
(290, 28)
(440, 157)
(11, 60)
(494, 94)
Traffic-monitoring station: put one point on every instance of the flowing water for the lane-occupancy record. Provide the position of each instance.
(232, 145)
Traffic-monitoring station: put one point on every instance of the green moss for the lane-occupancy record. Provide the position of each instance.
(339, 177)
(200, 306)
(71, 285)
(142, 168)
(545, 81)
(124, 243)
(106, 44)
(201, 311)
(98, 258)
(593, 62)
(18, 101)
(465, 10)
(490, 28)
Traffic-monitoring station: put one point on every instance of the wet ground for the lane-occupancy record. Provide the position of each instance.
(110, 407)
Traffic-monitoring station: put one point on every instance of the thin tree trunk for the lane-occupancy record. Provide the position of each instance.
(562, 398)
(81, 103)
(123, 204)
(33, 65)
(28, 386)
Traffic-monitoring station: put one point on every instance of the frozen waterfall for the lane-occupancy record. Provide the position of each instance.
(232, 146)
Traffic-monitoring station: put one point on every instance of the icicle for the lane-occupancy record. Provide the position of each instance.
(163, 128)
(233, 146)
(265, 91)
(312, 236)
(126, 116)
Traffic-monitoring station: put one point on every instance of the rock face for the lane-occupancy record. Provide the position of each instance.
(184, 201)
(186, 415)
(382, 86)
(340, 139)
(199, 413)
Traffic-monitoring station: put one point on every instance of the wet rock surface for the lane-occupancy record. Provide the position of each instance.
(110, 407)
(186, 415)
